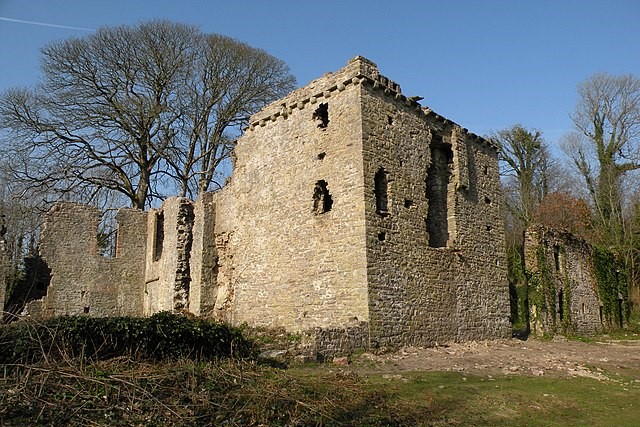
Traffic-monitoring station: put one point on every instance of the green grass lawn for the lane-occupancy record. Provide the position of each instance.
(462, 400)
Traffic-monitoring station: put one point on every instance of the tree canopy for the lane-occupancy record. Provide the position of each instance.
(140, 111)
(606, 145)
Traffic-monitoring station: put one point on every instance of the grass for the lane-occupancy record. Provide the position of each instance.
(458, 400)
(127, 390)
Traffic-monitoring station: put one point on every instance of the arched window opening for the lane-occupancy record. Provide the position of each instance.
(322, 201)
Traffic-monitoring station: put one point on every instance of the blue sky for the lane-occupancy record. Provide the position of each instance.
(484, 64)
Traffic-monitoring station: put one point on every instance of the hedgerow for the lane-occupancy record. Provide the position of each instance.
(163, 336)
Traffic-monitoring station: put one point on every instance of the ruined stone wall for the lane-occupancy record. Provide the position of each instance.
(353, 215)
(204, 258)
(168, 270)
(563, 296)
(435, 255)
(290, 226)
(412, 240)
(82, 280)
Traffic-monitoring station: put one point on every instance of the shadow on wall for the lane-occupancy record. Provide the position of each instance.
(31, 286)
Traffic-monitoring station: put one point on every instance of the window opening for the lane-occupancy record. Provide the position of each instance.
(381, 187)
(408, 203)
(158, 237)
(322, 201)
(382, 236)
(107, 235)
(556, 257)
(561, 304)
(322, 155)
(437, 190)
(86, 310)
(390, 120)
(487, 200)
(321, 115)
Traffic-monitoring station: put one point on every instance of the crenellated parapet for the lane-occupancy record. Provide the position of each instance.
(359, 71)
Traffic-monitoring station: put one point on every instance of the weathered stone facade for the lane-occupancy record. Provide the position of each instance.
(82, 280)
(351, 208)
(563, 295)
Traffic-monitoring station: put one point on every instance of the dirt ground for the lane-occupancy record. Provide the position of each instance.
(603, 359)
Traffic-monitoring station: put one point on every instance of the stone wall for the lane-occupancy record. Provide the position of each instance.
(435, 252)
(290, 225)
(563, 296)
(82, 280)
(168, 269)
(353, 215)
(411, 240)
(204, 258)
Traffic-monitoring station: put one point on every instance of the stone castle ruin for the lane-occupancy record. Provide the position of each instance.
(563, 287)
(352, 211)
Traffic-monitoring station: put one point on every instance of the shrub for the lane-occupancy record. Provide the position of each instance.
(159, 337)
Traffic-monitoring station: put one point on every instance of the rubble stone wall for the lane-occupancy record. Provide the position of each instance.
(563, 296)
(204, 258)
(435, 255)
(290, 225)
(82, 280)
(168, 270)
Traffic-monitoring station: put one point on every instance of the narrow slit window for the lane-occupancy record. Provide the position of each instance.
(381, 189)
(158, 239)
(556, 257)
(321, 116)
(561, 304)
(322, 200)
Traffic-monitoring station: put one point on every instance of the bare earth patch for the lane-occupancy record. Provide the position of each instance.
(607, 360)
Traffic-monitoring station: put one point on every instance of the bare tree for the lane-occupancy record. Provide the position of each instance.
(138, 111)
(230, 81)
(525, 162)
(606, 145)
